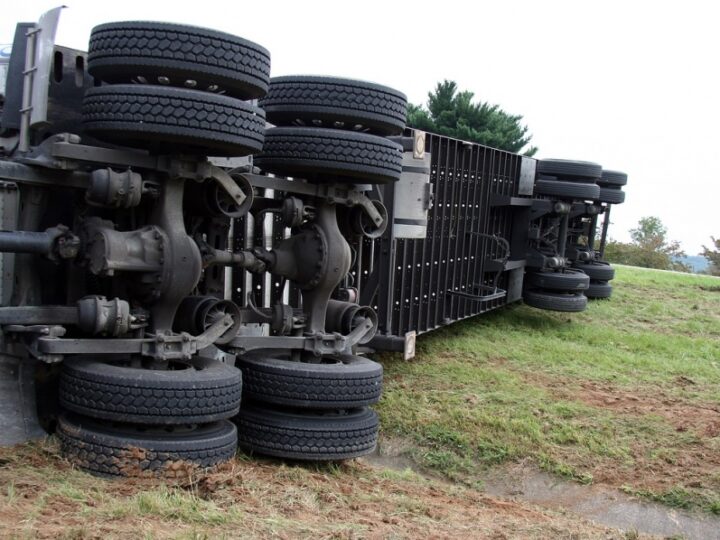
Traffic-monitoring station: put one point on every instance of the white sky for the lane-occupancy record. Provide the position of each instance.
(633, 86)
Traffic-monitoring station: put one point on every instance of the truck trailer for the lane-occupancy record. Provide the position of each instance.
(196, 256)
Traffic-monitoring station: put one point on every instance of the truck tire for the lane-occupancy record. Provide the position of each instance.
(335, 103)
(173, 120)
(179, 55)
(568, 280)
(206, 392)
(611, 195)
(570, 170)
(125, 450)
(308, 436)
(330, 155)
(567, 190)
(599, 289)
(555, 301)
(344, 382)
(599, 271)
(612, 179)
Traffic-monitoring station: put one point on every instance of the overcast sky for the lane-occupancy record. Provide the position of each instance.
(633, 86)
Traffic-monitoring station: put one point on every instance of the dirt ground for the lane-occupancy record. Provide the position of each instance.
(694, 466)
(44, 497)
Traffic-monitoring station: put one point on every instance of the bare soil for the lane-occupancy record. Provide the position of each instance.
(44, 497)
(698, 465)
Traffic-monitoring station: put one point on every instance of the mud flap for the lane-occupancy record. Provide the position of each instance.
(18, 411)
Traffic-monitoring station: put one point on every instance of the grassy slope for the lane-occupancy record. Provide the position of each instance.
(41, 496)
(516, 384)
(626, 393)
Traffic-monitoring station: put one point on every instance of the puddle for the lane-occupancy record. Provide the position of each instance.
(605, 506)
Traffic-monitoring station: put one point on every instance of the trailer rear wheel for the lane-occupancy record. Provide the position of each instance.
(598, 270)
(330, 155)
(567, 280)
(335, 103)
(178, 55)
(173, 120)
(599, 289)
(204, 392)
(570, 170)
(125, 450)
(567, 190)
(555, 301)
(342, 382)
(611, 195)
(612, 178)
(308, 436)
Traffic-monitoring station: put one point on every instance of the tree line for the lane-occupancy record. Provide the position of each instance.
(650, 248)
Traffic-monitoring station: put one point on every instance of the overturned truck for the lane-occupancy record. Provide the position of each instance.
(196, 256)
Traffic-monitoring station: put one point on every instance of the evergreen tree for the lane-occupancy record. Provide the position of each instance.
(454, 114)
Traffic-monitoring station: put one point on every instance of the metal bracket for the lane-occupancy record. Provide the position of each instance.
(38, 63)
(494, 294)
(228, 184)
(35, 333)
(320, 344)
(161, 347)
(330, 192)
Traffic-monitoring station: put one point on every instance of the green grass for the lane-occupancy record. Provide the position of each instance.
(512, 385)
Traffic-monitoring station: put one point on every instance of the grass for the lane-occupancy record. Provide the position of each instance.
(45, 497)
(626, 393)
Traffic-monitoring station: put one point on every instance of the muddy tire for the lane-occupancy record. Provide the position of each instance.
(570, 170)
(599, 289)
(345, 382)
(178, 55)
(330, 155)
(208, 392)
(567, 190)
(555, 301)
(124, 450)
(308, 436)
(173, 120)
(335, 103)
(568, 280)
(597, 270)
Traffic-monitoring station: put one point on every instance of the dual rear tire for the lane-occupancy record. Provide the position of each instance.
(128, 421)
(309, 411)
(333, 130)
(176, 89)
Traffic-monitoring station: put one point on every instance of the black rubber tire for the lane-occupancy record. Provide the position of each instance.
(308, 436)
(568, 280)
(119, 52)
(612, 178)
(599, 289)
(611, 195)
(345, 382)
(335, 103)
(209, 392)
(173, 120)
(124, 450)
(555, 301)
(565, 168)
(567, 190)
(330, 155)
(599, 271)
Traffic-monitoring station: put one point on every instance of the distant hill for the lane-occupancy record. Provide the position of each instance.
(697, 263)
